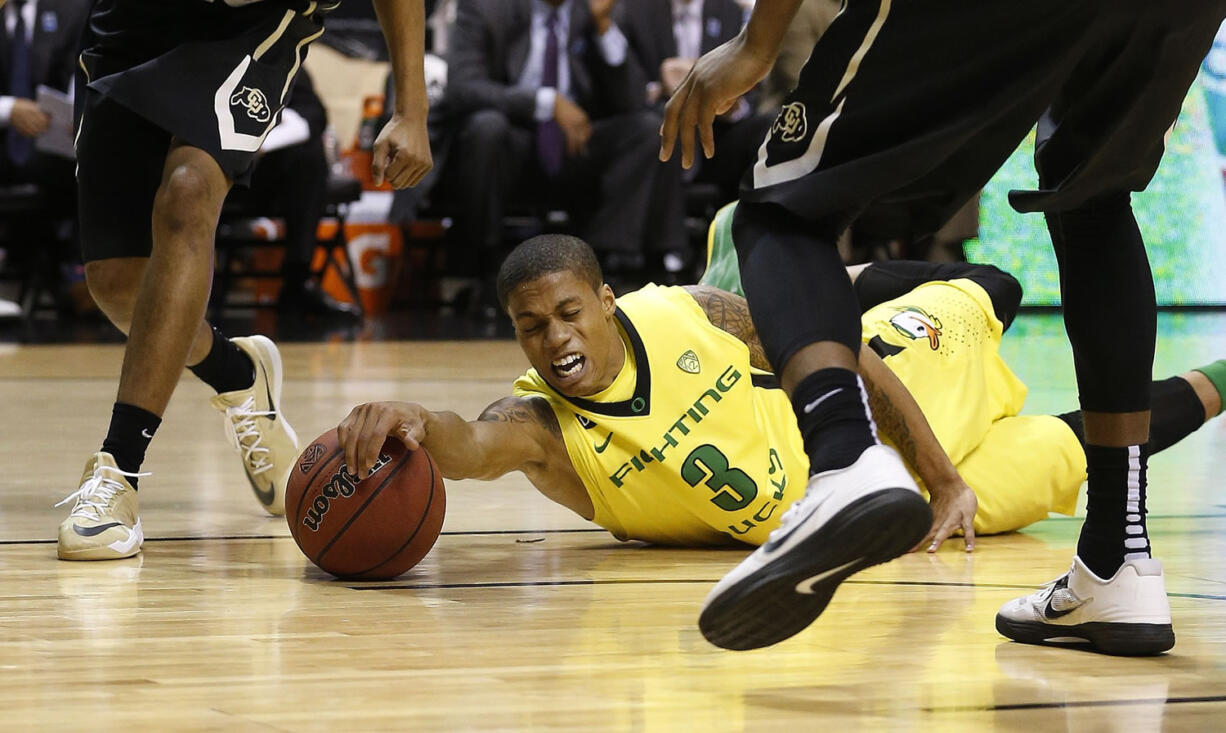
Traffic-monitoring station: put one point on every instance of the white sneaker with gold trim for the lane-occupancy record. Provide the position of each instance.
(258, 429)
(104, 523)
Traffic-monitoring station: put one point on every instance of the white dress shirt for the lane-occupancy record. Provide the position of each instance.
(613, 47)
(687, 27)
(28, 13)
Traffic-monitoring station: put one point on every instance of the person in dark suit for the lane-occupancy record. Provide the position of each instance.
(667, 37)
(576, 128)
(38, 48)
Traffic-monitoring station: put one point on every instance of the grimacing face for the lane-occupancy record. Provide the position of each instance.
(568, 332)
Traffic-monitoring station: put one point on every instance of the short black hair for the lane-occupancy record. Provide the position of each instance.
(543, 254)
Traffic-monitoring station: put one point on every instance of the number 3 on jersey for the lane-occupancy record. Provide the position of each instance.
(734, 489)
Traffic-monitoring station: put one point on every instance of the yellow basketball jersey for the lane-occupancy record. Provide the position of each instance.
(689, 445)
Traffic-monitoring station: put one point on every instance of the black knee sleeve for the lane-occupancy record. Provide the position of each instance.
(794, 280)
(1109, 309)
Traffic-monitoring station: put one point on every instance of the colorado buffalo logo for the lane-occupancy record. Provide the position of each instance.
(254, 101)
(791, 124)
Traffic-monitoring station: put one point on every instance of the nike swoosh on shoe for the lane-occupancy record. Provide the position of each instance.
(770, 546)
(266, 496)
(806, 586)
(1050, 612)
(94, 531)
(272, 406)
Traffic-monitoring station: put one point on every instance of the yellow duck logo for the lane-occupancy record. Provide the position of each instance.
(916, 324)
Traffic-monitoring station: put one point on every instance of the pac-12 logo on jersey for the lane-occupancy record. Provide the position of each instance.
(791, 124)
(916, 323)
(688, 362)
(254, 101)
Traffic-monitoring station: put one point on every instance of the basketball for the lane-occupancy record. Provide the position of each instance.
(374, 528)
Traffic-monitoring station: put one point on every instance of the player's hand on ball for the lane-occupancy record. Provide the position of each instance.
(717, 80)
(953, 509)
(402, 152)
(363, 432)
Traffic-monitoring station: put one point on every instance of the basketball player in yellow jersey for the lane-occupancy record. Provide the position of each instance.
(651, 414)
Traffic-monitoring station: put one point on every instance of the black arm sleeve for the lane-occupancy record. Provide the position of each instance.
(882, 281)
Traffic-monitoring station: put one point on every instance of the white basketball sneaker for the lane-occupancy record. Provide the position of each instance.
(850, 519)
(257, 427)
(1127, 615)
(105, 520)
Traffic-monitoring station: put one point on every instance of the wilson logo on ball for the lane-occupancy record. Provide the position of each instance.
(310, 457)
(341, 486)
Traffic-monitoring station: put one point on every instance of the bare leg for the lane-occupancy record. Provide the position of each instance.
(114, 284)
(168, 313)
(1117, 429)
(811, 358)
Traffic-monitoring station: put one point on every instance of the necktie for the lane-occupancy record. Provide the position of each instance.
(20, 147)
(689, 44)
(550, 142)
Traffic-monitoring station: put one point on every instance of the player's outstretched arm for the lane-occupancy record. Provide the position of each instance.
(402, 149)
(513, 434)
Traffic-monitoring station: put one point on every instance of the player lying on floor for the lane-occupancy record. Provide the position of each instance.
(653, 414)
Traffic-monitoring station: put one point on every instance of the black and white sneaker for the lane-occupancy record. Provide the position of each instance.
(1128, 615)
(850, 519)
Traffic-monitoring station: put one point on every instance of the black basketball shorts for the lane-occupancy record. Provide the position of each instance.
(918, 102)
(152, 72)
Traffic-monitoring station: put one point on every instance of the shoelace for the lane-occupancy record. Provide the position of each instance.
(1046, 591)
(95, 494)
(241, 426)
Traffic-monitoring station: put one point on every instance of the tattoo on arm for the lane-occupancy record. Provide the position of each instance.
(730, 312)
(525, 410)
(890, 422)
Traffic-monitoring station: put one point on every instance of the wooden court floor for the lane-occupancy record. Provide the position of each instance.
(524, 617)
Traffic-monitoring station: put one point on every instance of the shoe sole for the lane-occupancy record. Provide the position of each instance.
(103, 552)
(765, 608)
(1116, 639)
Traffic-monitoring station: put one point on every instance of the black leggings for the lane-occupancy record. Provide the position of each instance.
(1109, 308)
(794, 280)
